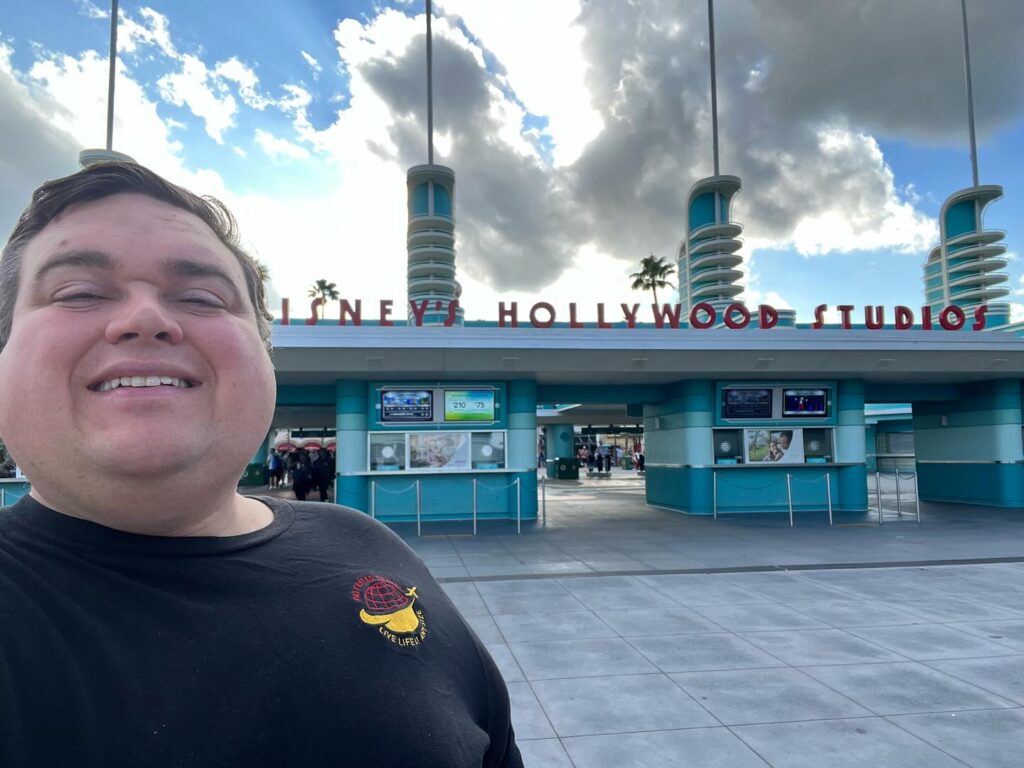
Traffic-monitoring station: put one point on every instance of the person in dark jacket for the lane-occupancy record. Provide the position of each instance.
(150, 615)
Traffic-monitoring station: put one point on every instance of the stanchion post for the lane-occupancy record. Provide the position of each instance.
(474, 506)
(3, 497)
(878, 494)
(519, 506)
(373, 499)
(917, 500)
(828, 490)
(789, 496)
(419, 509)
(714, 495)
(544, 499)
(899, 501)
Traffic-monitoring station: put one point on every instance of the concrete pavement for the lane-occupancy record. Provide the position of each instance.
(632, 636)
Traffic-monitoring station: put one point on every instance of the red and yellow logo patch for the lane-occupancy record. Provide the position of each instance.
(391, 608)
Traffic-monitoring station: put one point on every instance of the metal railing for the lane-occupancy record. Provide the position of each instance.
(899, 495)
(476, 484)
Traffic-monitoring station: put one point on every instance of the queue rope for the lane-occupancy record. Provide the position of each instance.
(396, 493)
(753, 487)
(499, 488)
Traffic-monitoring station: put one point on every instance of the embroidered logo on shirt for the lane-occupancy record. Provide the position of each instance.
(391, 608)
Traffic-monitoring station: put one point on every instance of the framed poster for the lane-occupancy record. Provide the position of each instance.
(469, 405)
(406, 405)
(439, 450)
(778, 446)
(387, 451)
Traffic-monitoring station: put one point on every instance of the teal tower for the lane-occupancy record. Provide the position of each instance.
(708, 260)
(962, 270)
(430, 245)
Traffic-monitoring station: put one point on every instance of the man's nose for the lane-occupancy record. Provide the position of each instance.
(145, 316)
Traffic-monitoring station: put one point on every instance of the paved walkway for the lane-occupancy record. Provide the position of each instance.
(632, 636)
(625, 639)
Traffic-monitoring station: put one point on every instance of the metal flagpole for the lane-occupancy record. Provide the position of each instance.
(970, 95)
(113, 69)
(714, 88)
(430, 91)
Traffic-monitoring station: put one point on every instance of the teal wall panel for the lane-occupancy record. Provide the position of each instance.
(558, 439)
(853, 489)
(450, 497)
(291, 394)
(995, 485)
(350, 407)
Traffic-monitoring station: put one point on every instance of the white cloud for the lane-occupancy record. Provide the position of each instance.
(91, 10)
(154, 30)
(869, 214)
(246, 80)
(313, 64)
(277, 148)
(190, 87)
(539, 45)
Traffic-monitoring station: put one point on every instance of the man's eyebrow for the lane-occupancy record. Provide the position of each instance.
(84, 258)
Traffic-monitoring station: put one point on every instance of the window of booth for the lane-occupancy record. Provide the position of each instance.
(773, 445)
(436, 451)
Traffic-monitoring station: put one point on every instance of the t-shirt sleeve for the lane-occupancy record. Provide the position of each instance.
(502, 752)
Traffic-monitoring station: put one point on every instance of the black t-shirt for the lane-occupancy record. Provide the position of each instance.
(320, 640)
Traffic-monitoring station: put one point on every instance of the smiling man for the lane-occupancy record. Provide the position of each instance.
(149, 614)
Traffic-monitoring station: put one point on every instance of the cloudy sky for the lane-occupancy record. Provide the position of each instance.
(575, 128)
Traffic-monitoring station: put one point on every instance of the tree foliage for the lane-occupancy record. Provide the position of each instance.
(653, 274)
(324, 291)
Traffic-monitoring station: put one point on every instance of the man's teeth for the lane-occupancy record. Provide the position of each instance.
(143, 381)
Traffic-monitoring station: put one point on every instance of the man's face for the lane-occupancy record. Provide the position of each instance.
(784, 441)
(123, 292)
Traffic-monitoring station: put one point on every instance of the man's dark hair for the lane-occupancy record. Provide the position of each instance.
(115, 178)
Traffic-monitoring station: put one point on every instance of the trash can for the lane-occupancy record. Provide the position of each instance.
(567, 469)
(626, 461)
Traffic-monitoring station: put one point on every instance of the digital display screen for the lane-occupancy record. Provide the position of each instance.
(746, 403)
(407, 405)
(469, 405)
(804, 402)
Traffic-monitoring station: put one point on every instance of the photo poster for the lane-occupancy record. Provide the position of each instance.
(439, 450)
(774, 446)
(387, 451)
(488, 450)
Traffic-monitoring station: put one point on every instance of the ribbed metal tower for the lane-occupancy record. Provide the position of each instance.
(430, 239)
(961, 269)
(709, 258)
(431, 242)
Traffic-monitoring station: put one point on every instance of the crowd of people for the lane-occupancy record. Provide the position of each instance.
(304, 470)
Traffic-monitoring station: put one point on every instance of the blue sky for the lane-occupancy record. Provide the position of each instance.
(575, 131)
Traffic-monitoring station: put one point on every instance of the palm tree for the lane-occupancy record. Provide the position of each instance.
(323, 292)
(653, 274)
